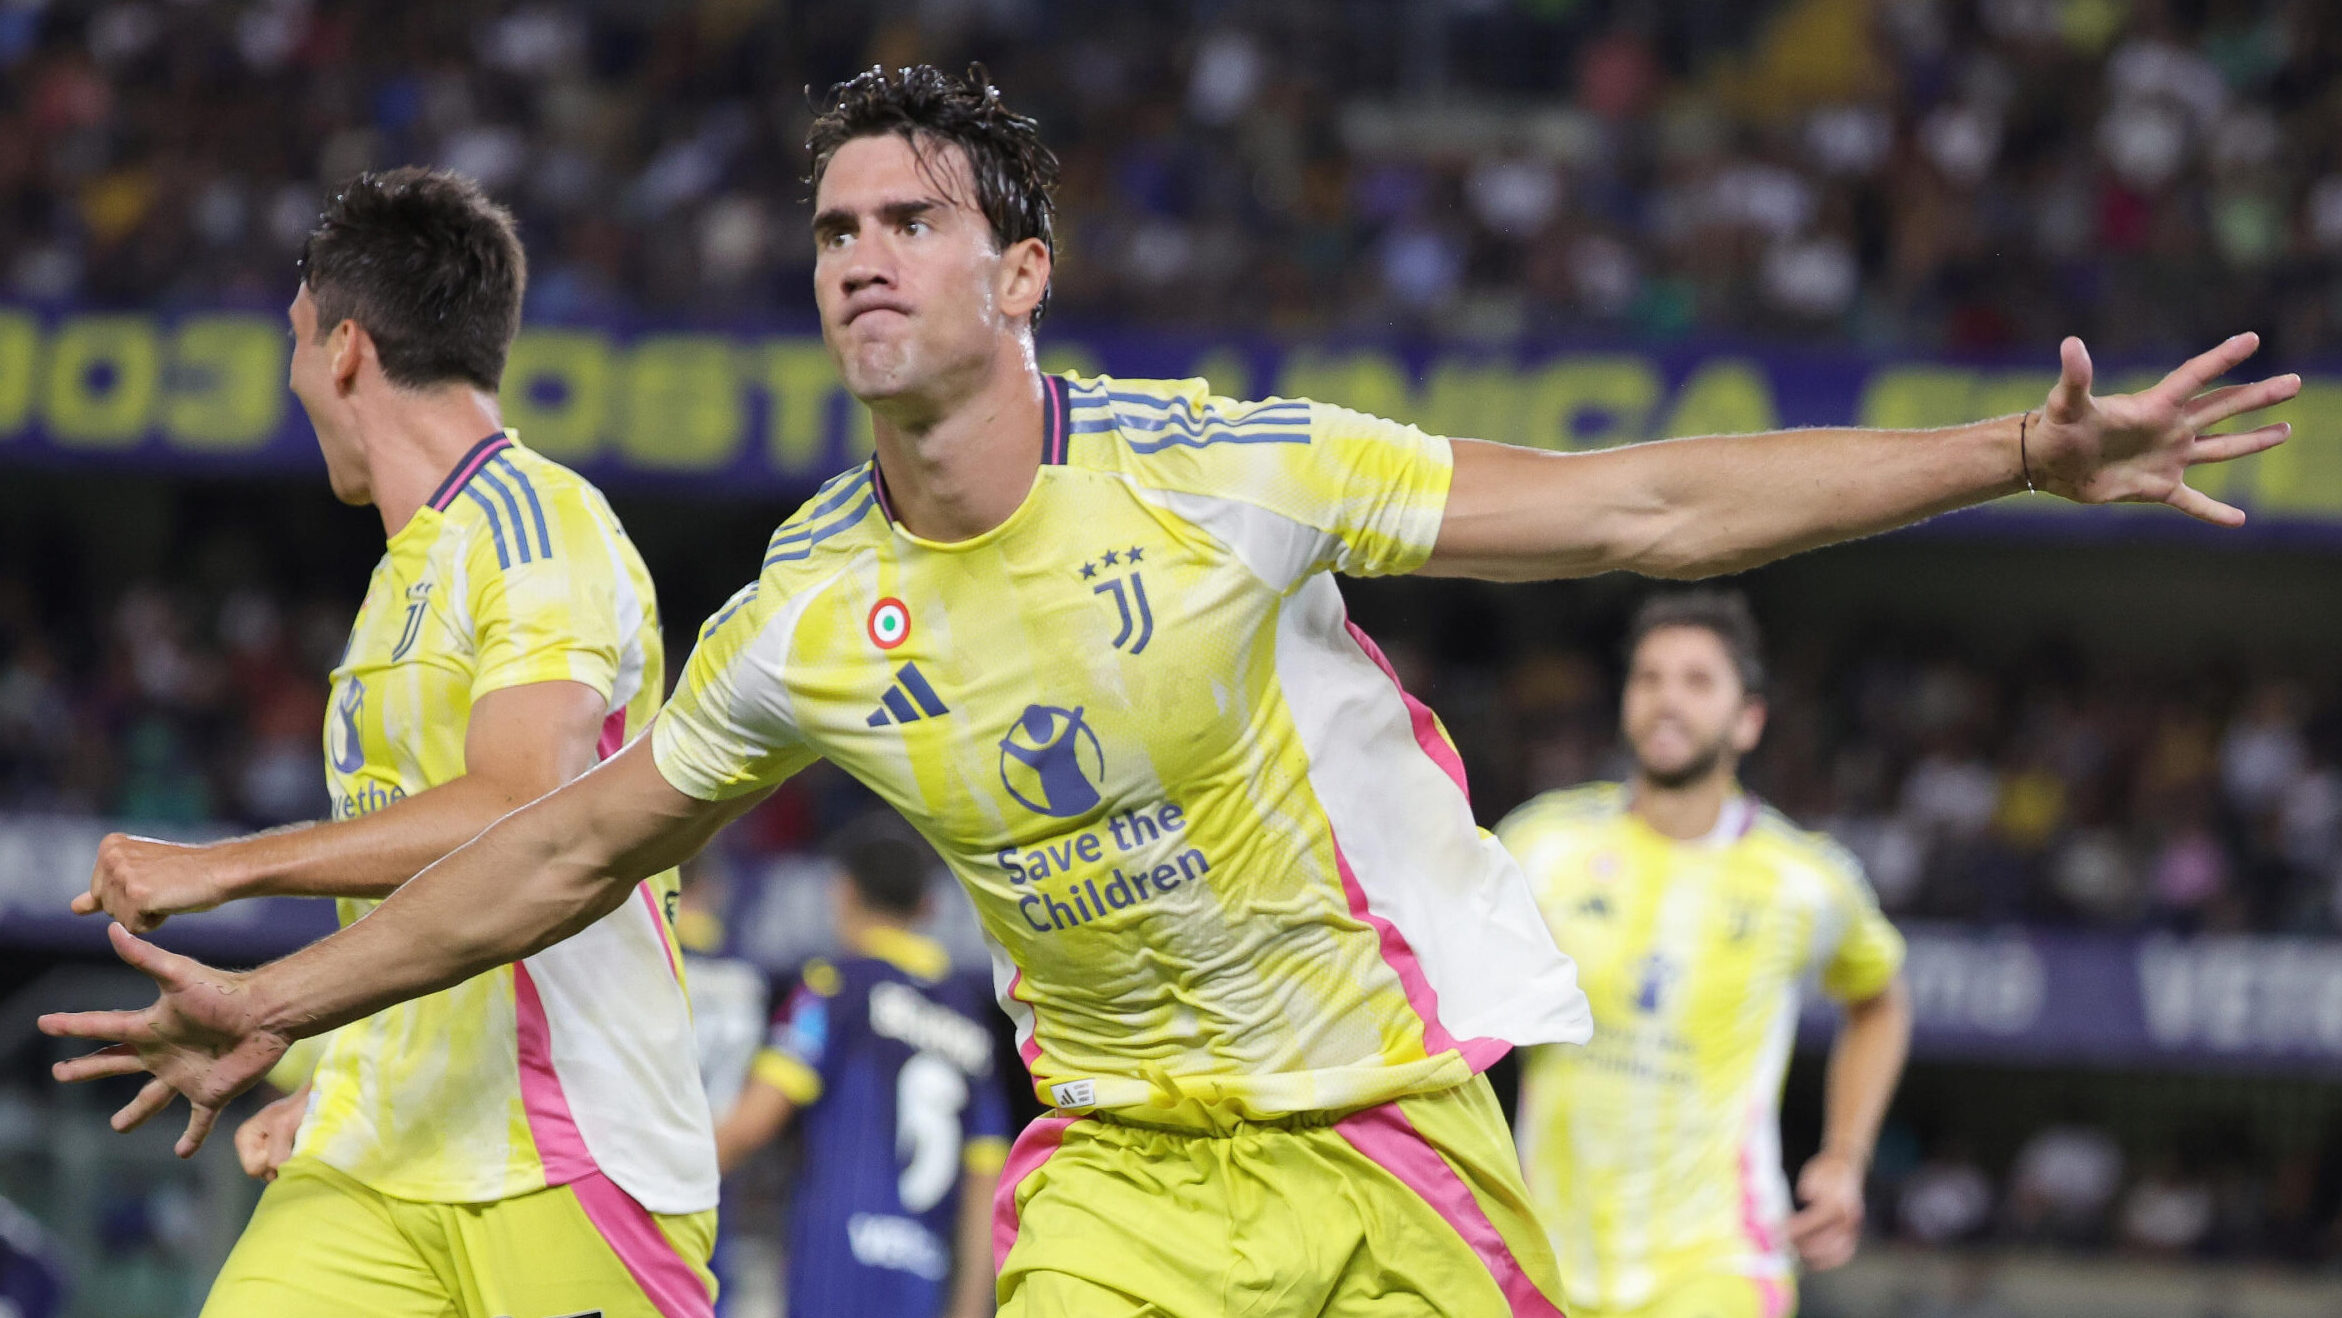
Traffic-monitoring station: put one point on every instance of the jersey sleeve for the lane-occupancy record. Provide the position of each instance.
(1297, 486)
(1376, 488)
(542, 590)
(796, 1052)
(1867, 951)
(728, 729)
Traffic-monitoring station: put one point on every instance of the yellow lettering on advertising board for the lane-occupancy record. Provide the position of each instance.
(1069, 358)
(227, 388)
(1727, 396)
(20, 355)
(1591, 402)
(808, 403)
(683, 410)
(1366, 381)
(105, 372)
(1226, 371)
(1473, 399)
(2303, 476)
(557, 385)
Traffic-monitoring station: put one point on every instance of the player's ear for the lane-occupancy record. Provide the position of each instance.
(345, 350)
(1024, 278)
(1749, 727)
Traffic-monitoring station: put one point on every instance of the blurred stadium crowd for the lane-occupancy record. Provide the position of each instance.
(1918, 174)
(2043, 792)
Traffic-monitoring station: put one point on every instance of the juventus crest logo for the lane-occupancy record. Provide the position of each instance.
(1129, 590)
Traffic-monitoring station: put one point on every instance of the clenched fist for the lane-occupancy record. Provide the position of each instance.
(142, 882)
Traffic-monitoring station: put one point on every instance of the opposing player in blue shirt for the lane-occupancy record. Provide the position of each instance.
(882, 1057)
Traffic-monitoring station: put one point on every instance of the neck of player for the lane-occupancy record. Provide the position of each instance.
(413, 444)
(958, 466)
(1687, 811)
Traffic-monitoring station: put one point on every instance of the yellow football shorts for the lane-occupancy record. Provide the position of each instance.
(1712, 1295)
(1411, 1207)
(321, 1245)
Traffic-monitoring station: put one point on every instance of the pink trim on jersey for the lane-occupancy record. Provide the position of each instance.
(659, 929)
(1479, 1054)
(650, 1258)
(613, 737)
(560, 1147)
(1426, 724)
(1035, 1145)
(468, 466)
(1392, 1143)
(1772, 1295)
(1028, 1047)
(1752, 1217)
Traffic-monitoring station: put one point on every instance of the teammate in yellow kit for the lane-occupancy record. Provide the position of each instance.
(533, 1139)
(1693, 912)
(1082, 633)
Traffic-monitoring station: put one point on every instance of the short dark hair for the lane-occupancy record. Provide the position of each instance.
(1722, 612)
(886, 862)
(430, 267)
(1015, 174)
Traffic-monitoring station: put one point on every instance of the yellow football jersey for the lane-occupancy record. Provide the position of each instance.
(579, 1058)
(1653, 1153)
(1219, 854)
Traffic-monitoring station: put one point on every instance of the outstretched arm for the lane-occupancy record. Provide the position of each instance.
(1698, 507)
(521, 743)
(537, 876)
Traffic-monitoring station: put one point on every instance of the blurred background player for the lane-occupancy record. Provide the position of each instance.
(533, 1139)
(883, 1059)
(1693, 912)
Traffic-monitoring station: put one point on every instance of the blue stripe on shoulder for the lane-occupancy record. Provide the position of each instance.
(520, 527)
(504, 463)
(495, 524)
(848, 484)
(803, 544)
(1180, 426)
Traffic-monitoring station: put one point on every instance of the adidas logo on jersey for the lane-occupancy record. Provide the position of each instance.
(908, 700)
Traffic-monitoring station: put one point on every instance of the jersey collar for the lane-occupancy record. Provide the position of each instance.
(1733, 822)
(1056, 440)
(467, 467)
(905, 951)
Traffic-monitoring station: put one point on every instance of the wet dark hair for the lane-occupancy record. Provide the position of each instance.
(1015, 174)
(1725, 613)
(886, 862)
(430, 267)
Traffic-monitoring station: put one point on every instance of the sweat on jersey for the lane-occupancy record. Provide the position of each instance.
(1653, 1153)
(1219, 854)
(576, 1059)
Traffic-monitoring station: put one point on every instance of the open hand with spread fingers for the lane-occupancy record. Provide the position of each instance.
(2136, 448)
(200, 1038)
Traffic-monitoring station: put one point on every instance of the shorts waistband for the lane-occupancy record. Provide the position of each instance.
(1201, 1120)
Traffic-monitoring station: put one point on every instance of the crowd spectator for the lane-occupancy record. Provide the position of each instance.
(1923, 174)
(2062, 1183)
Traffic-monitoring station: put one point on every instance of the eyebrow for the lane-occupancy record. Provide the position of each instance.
(837, 219)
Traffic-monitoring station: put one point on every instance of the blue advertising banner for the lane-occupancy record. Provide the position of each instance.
(757, 411)
(2064, 999)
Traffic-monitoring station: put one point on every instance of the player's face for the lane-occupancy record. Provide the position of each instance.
(1686, 714)
(906, 274)
(311, 378)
